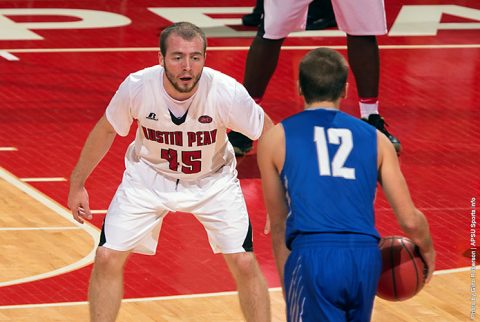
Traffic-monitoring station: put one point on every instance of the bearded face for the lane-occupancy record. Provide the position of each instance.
(183, 82)
(183, 64)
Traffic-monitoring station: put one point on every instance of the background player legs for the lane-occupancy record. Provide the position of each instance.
(262, 56)
(251, 286)
(364, 59)
(106, 284)
(261, 62)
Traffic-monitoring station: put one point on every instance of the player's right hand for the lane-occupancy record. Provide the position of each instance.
(429, 258)
(79, 204)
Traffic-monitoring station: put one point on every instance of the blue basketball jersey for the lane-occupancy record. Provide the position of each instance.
(330, 174)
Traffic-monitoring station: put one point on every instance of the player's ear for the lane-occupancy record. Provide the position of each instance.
(344, 91)
(160, 58)
(299, 88)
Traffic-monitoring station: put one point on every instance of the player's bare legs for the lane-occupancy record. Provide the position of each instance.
(106, 284)
(364, 59)
(251, 286)
(261, 62)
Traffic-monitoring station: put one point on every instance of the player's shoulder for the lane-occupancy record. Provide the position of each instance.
(273, 141)
(329, 118)
(218, 79)
(322, 114)
(136, 81)
(355, 122)
(148, 73)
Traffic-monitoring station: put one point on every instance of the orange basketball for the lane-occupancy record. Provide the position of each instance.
(403, 271)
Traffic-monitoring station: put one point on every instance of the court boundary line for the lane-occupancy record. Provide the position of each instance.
(62, 212)
(39, 228)
(44, 179)
(186, 296)
(224, 48)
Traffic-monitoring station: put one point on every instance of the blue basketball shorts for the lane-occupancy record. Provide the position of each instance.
(332, 277)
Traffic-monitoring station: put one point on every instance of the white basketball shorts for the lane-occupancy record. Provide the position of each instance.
(144, 198)
(354, 17)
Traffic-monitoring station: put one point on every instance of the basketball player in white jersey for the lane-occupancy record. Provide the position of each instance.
(181, 160)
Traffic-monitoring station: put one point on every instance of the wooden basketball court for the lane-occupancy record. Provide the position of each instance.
(60, 63)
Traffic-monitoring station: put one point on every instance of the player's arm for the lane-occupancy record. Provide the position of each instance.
(267, 124)
(244, 115)
(270, 157)
(411, 220)
(96, 146)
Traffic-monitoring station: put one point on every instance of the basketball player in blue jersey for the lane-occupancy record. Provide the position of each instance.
(319, 173)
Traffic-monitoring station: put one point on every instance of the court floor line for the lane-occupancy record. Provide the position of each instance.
(226, 48)
(38, 228)
(430, 209)
(45, 179)
(61, 211)
(187, 296)
(104, 211)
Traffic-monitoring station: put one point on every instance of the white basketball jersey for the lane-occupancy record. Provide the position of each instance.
(199, 145)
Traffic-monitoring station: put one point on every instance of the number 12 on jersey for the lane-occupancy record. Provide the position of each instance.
(335, 167)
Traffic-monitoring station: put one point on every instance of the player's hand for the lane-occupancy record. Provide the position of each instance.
(266, 230)
(429, 258)
(79, 204)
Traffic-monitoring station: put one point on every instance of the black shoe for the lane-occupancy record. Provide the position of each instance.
(321, 23)
(378, 122)
(241, 144)
(252, 19)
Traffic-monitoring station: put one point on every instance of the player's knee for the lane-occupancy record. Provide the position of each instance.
(244, 264)
(108, 260)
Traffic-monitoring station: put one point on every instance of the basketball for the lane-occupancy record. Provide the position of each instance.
(403, 272)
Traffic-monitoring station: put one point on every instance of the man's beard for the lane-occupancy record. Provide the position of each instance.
(175, 85)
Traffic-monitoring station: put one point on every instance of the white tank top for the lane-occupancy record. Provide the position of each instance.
(198, 146)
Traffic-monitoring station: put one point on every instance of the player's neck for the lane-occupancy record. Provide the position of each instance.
(323, 104)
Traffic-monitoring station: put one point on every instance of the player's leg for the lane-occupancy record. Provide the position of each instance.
(319, 292)
(261, 62)
(368, 263)
(122, 234)
(280, 18)
(313, 290)
(132, 224)
(364, 59)
(223, 213)
(106, 284)
(251, 286)
(363, 20)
